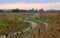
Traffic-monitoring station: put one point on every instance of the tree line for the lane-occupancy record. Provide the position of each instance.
(30, 10)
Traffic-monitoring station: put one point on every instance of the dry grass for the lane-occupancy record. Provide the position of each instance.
(50, 32)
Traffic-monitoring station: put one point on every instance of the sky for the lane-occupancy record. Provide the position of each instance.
(28, 4)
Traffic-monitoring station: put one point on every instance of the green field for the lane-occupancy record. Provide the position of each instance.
(10, 23)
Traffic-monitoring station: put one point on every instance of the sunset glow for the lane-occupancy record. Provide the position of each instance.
(24, 5)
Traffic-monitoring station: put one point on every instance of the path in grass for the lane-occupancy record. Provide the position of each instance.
(33, 25)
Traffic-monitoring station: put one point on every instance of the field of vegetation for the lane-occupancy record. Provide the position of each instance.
(47, 25)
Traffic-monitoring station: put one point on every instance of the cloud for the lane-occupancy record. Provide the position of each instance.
(22, 5)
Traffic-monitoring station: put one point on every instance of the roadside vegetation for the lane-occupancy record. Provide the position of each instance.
(10, 23)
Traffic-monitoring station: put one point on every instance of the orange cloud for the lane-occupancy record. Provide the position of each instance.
(22, 5)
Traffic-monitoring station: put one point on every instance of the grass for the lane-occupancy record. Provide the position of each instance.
(12, 21)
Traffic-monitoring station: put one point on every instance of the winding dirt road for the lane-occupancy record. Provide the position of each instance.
(33, 25)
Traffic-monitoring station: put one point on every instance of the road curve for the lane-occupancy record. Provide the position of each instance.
(46, 24)
(33, 25)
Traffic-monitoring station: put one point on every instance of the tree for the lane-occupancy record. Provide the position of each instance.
(41, 10)
(31, 10)
(15, 10)
(1, 10)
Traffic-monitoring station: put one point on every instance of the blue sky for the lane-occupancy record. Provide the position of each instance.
(28, 1)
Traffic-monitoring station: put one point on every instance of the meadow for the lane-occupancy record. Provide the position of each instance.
(10, 23)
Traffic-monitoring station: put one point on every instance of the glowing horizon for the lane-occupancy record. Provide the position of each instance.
(23, 5)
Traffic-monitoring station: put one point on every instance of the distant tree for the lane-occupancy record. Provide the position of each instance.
(23, 10)
(36, 10)
(1, 10)
(18, 10)
(41, 10)
(15, 10)
(31, 10)
(51, 10)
